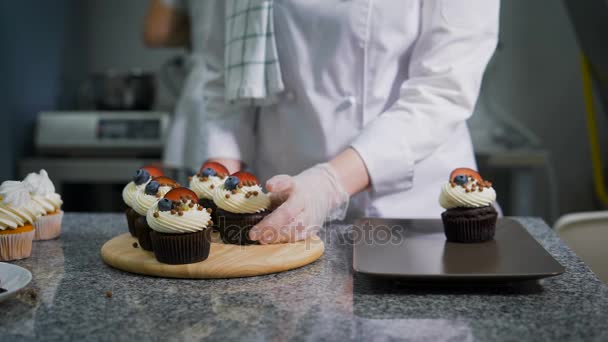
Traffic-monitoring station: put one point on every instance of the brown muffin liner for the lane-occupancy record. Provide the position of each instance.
(234, 228)
(469, 225)
(208, 203)
(132, 215)
(179, 249)
(48, 227)
(16, 246)
(142, 232)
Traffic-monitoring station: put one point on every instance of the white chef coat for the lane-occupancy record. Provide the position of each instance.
(395, 80)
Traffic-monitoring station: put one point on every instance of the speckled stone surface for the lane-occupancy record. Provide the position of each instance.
(322, 301)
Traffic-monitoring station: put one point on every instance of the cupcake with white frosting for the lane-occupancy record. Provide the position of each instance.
(181, 228)
(42, 192)
(210, 177)
(143, 200)
(138, 183)
(18, 212)
(241, 204)
(469, 216)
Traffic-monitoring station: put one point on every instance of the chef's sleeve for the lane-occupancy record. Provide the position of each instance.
(227, 130)
(457, 40)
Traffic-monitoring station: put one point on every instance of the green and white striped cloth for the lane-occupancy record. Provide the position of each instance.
(253, 73)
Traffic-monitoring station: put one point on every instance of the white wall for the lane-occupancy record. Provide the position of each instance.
(537, 76)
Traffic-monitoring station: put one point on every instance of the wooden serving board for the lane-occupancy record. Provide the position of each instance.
(225, 261)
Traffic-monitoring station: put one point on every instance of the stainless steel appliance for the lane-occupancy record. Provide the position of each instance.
(91, 155)
(101, 133)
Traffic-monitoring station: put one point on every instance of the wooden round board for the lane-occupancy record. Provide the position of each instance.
(225, 261)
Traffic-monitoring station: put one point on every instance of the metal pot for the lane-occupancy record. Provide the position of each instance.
(112, 90)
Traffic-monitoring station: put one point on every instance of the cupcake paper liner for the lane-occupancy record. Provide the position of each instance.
(179, 249)
(234, 228)
(469, 225)
(16, 246)
(208, 203)
(132, 215)
(48, 227)
(142, 232)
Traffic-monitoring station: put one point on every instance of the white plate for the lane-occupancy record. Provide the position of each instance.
(12, 278)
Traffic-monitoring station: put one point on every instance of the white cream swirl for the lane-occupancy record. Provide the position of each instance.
(130, 191)
(14, 193)
(456, 196)
(42, 191)
(245, 200)
(204, 187)
(192, 220)
(16, 206)
(143, 201)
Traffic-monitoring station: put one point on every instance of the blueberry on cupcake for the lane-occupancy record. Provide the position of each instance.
(210, 176)
(152, 193)
(181, 228)
(140, 179)
(469, 215)
(241, 203)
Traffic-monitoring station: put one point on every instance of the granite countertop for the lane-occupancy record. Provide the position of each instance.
(67, 300)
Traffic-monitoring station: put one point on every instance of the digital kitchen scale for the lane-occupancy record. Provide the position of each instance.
(416, 250)
(100, 132)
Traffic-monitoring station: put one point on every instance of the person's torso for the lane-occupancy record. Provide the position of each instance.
(343, 63)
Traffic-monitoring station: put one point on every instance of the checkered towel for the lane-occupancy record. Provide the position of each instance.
(253, 73)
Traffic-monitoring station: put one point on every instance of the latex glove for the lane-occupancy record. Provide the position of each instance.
(301, 205)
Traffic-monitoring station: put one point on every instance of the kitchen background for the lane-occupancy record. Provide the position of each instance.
(529, 130)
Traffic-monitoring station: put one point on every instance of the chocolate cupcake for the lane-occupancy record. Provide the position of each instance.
(181, 232)
(204, 183)
(241, 204)
(141, 178)
(469, 215)
(152, 193)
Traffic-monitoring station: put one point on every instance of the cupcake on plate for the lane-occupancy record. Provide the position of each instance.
(140, 179)
(42, 191)
(469, 215)
(241, 204)
(143, 200)
(18, 212)
(181, 228)
(204, 183)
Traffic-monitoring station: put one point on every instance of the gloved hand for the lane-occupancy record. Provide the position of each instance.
(301, 205)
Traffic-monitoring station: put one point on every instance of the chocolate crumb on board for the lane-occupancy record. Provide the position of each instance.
(109, 294)
(29, 295)
(135, 245)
